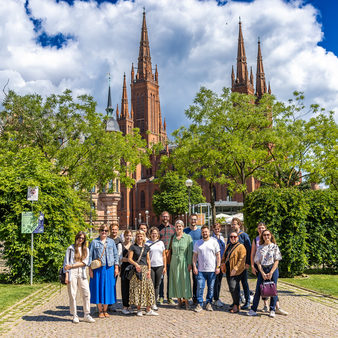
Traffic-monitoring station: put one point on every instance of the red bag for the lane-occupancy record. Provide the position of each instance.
(268, 289)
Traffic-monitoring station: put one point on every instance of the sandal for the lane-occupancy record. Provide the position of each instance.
(106, 314)
(101, 315)
(235, 309)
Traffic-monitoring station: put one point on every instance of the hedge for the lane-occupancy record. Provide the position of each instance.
(303, 222)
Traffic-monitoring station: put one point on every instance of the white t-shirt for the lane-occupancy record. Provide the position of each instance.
(156, 253)
(206, 254)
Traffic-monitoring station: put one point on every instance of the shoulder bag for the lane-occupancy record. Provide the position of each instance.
(223, 265)
(97, 263)
(131, 269)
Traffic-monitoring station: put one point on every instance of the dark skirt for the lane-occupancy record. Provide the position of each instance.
(102, 286)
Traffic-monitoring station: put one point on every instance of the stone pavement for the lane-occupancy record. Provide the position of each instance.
(309, 315)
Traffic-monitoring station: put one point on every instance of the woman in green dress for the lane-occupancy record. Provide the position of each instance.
(180, 265)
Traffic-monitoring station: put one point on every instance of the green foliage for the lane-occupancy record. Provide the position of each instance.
(72, 136)
(173, 195)
(63, 208)
(322, 227)
(285, 213)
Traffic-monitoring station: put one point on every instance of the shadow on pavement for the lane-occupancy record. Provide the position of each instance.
(44, 318)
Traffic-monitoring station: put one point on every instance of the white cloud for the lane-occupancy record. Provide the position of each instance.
(193, 43)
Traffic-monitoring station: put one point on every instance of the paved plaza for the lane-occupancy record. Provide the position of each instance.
(310, 315)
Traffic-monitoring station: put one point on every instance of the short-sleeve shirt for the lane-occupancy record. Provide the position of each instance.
(206, 254)
(156, 253)
(137, 251)
(195, 234)
(267, 254)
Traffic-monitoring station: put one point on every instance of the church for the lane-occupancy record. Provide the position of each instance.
(144, 112)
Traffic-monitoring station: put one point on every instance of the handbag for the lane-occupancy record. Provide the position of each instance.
(62, 276)
(131, 269)
(97, 263)
(268, 289)
(168, 252)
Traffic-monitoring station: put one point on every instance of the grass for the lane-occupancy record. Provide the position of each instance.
(12, 293)
(326, 284)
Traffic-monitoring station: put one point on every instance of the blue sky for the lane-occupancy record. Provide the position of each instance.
(47, 46)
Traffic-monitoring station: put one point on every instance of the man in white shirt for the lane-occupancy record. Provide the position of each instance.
(207, 254)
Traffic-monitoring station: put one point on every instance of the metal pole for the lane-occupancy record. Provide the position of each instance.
(32, 248)
(91, 215)
(189, 202)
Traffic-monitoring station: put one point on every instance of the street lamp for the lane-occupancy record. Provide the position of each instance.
(147, 216)
(188, 184)
(139, 218)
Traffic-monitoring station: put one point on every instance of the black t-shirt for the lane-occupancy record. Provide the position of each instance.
(137, 251)
(124, 255)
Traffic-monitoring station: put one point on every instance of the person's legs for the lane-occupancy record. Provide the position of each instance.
(273, 300)
(72, 290)
(211, 276)
(125, 291)
(246, 289)
(84, 289)
(200, 287)
(157, 280)
(194, 287)
(217, 286)
(257, 292)
(168, 269)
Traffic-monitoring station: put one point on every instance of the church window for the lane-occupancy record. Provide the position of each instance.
(142, 200)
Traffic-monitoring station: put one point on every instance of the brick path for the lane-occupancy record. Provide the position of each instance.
(309, 315)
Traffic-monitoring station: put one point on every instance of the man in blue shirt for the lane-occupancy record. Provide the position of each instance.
(195, 232)
(244, 239)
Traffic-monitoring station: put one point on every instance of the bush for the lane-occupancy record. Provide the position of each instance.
(63, 209)
(285, 213)
(322, 229)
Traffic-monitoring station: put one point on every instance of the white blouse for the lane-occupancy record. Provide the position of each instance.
(267, 254)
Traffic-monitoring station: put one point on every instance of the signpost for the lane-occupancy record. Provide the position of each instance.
(30, 224)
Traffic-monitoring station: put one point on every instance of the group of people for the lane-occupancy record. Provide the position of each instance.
(190, 258)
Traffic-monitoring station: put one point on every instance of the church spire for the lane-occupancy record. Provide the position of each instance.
(242, 69)
(144, 71)
(124, 102)
(260, 76)
(109, 108)
(242, 83)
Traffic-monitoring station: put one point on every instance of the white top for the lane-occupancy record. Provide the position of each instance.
(206, 254)
(267, 254)
(156, 253)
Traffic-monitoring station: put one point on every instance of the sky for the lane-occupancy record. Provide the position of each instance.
(47, 46)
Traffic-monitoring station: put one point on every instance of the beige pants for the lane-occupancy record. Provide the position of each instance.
(78, 282)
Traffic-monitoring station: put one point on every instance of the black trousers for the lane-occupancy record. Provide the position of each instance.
(156, 276)
(233, 283)
(217, 286)
(125, 290)
(194, 286)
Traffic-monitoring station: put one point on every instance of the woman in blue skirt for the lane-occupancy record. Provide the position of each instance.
(102, 279)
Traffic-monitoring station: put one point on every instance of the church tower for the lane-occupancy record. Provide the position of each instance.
(145, 100)
(242, 83)
(260, 76)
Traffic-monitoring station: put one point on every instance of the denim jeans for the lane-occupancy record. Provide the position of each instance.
(245, 285)
(260, 280)
(161, 291)
(201, 278)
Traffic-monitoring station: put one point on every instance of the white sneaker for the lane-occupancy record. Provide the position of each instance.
(272, 314)
(125, 311)
(154, 307)
(139, 313)
(219, 303)
(76, 320)
(88, 319)
(151, 313)
(198, 308)
(281, 312)
(265, 309)
(251, 313)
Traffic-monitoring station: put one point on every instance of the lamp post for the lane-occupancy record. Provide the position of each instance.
(147, 217)
(188, 184)
(139, 218)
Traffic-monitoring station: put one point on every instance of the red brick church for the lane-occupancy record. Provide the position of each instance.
(144, 112)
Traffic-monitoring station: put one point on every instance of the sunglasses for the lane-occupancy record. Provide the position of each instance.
(233, 236)
(104, 230)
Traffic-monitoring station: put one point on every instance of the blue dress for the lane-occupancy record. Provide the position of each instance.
(102, 285)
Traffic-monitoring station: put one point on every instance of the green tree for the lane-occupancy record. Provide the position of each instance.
(63, 207)
(72, 136)
(173, 195)
(227, 141)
